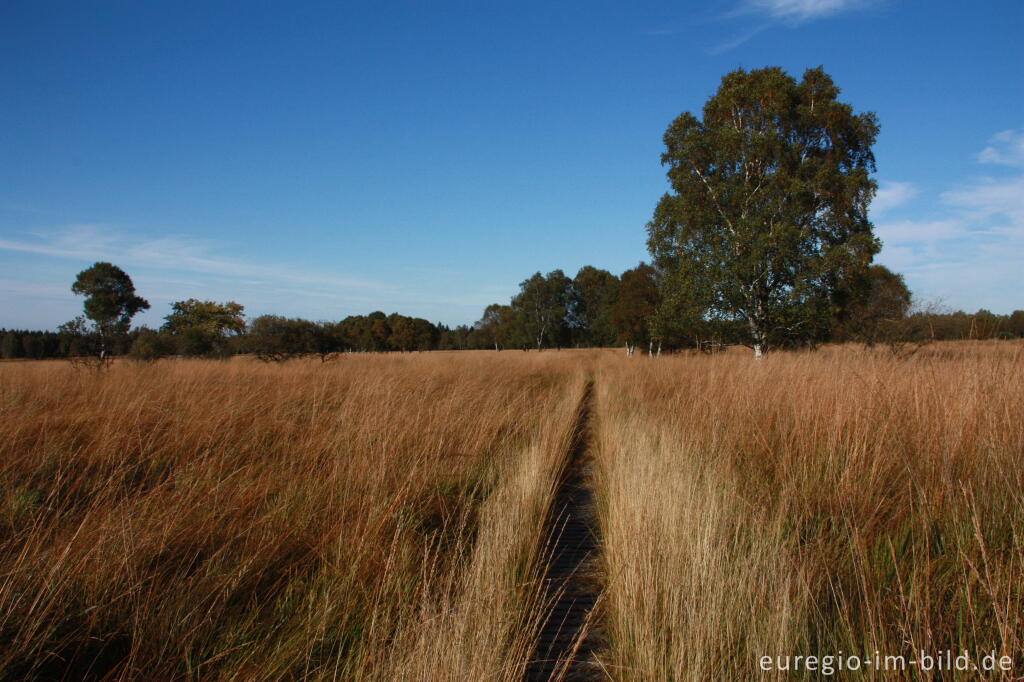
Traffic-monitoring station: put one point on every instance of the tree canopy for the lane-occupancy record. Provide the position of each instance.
(636, 303)
(110, 300)
(768, 211)
(594, 292)
(543, 302)
(875, 312)
(202, 327)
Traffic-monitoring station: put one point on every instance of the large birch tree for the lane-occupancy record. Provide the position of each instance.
(768, 213)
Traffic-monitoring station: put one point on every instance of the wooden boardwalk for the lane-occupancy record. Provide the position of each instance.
(570, 634)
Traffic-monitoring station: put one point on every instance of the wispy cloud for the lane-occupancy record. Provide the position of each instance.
(46, 290)
(738, 39)
(892, 194)
(1005, 148)
(988, 199)
(800, 11)
(918, 232)
(171, 268)
(971, 255)
(792, 13)
(91, 242)
(662, 31)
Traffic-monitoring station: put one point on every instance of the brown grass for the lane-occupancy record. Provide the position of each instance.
(840, 501)
(235, 520)
(379, 517)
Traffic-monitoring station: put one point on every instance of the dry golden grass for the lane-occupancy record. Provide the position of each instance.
(840, 501)
(379, 517)
(242, 521)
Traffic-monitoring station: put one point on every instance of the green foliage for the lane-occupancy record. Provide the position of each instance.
(150, 345)
(636, 304)
(679, 319)
(216, 318)
(11, 346)
(454, 338)
(1015, 323)
(500, 327)
(276, 338)
(876, 311)
(594, 292)
(204, 327)
(410, 333)
(542, 305)
(78, 338)
(110, 300)
(110, 303)
(768, 215)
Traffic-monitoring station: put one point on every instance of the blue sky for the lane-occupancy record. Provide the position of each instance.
(327, 159)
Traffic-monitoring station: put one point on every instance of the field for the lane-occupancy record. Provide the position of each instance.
(393, 516)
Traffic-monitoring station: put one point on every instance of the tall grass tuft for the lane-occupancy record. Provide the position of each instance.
(839, 501)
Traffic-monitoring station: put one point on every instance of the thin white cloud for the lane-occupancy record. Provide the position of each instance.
(786, 12)
(92, 242)
(738, 39)
(1005, 148)
(904, 232)
(800, 11)
(49, 290)
(990, 198)
(972, 256)
(167, 269)
(892, 194)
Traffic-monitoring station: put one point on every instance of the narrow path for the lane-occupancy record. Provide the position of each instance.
(570, 635)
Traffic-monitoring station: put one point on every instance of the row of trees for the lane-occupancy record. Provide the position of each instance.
(593, 309)
(643, 308)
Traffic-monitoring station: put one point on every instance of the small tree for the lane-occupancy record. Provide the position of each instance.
(110, 302)
(770, 198)
(204, 327)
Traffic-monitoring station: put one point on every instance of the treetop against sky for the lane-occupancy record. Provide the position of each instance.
(328, 159)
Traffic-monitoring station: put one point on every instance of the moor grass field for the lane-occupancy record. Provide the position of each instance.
(389, 516)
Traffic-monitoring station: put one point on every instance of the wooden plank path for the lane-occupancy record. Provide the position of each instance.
(570, 634)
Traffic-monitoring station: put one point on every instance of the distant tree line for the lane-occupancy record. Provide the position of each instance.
(643, 307)
(593, 309)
